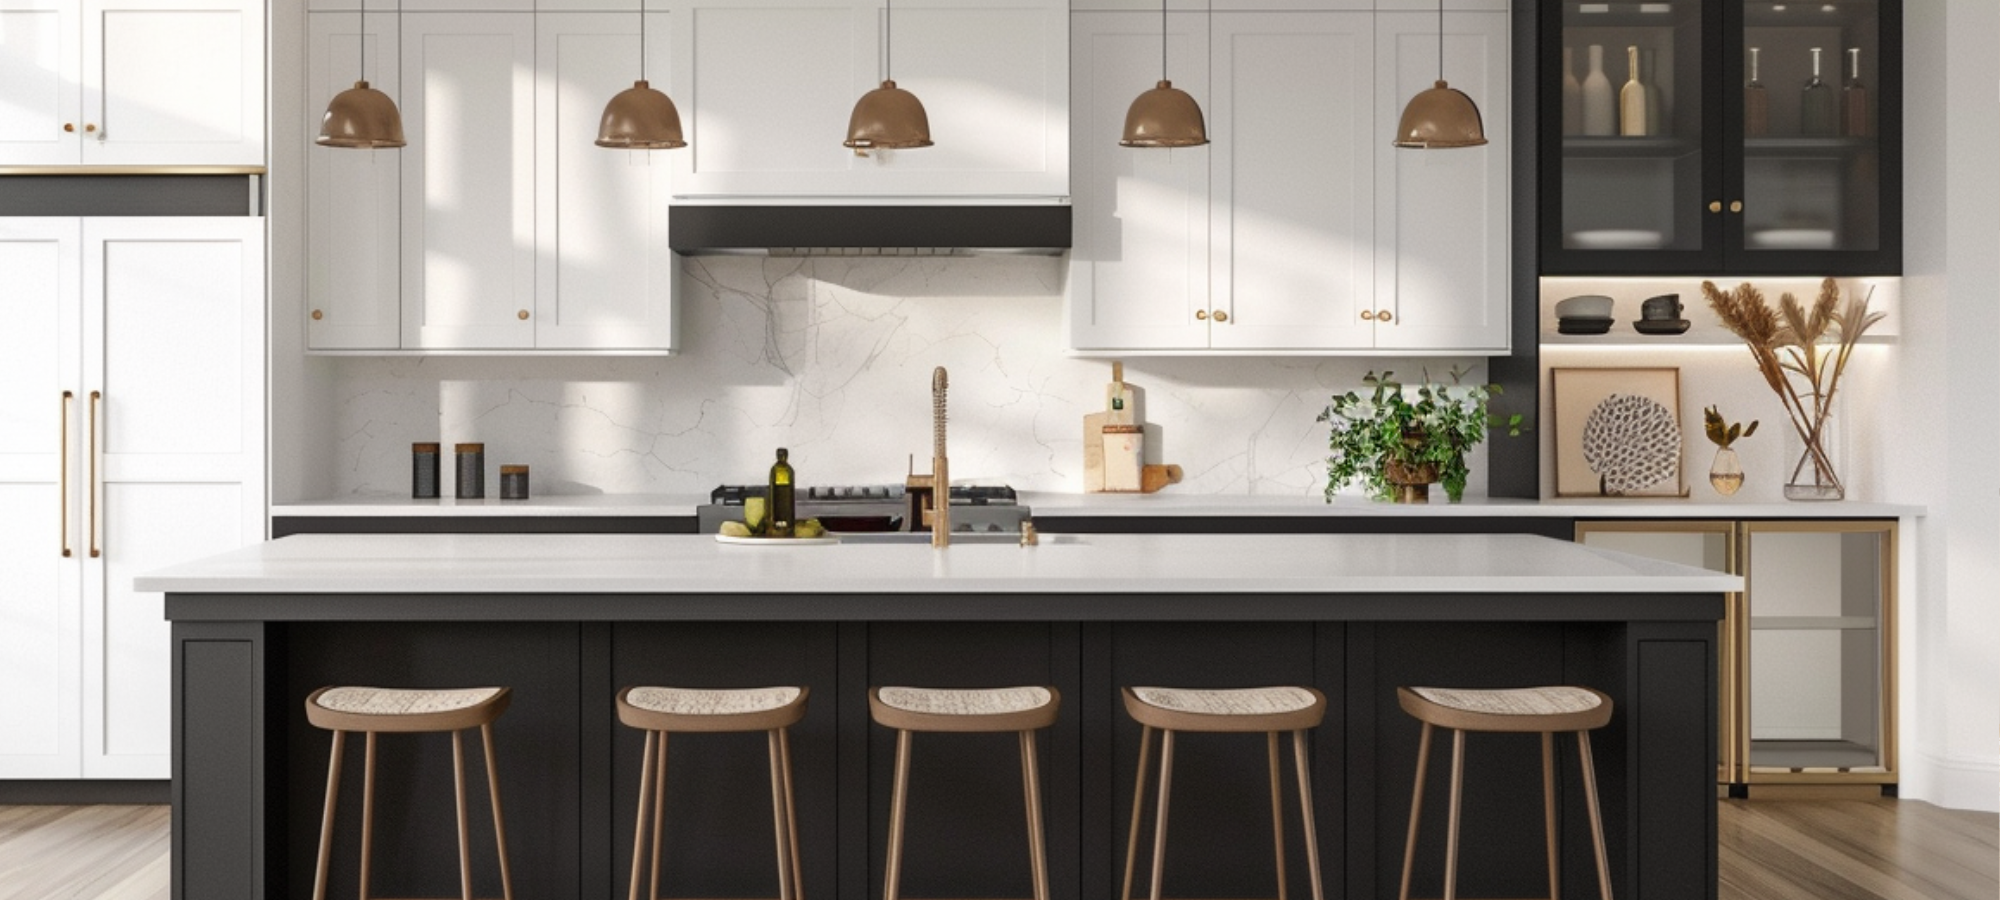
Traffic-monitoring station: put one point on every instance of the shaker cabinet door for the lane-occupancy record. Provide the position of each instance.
(173, 82)
(354, 197)
(41, 121)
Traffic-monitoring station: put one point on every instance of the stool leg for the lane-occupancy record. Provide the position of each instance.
(791, 815)
(1138, 807)
(778, 814)
(639, 821)
(1031, 783)
(1306, 812)
(659, 812)
(1160, 814)
(1452, 820)
(1596, 818)
(1416, 810)
(499, 823)
(326, 818)
(367, 812)
(1277, 810)
(1549, 811)
(895, 873)
(464, 843)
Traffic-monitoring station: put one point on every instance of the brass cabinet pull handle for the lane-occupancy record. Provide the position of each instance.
(95, 550)
(1715, 206)
(1382, 315)
(1221, 316)
(68, 398)
(1367, 315)
(1201, 314)
(522, 315)
(1736, 206)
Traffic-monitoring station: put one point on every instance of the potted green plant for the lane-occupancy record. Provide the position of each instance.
(1397, 441)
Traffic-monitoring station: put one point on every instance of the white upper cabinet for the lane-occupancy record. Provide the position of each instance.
(1444, 219)
(1299, 228)
(766, 89)
(468, 102)
(131, 83)
(502, 227)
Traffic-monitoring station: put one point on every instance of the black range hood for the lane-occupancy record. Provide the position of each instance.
(869, 230)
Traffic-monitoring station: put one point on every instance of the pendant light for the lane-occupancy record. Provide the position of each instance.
(1164, 116)
(1440, 117)
(640, 118)
(361, 117)
(888, 117)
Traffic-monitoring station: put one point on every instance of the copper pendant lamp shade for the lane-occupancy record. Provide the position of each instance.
(1164, 117)
(1440, 118)
(640, 118)
(361, 117)
(888, 118)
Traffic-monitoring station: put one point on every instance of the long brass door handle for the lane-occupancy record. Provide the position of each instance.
(95, 550)
(62, 496)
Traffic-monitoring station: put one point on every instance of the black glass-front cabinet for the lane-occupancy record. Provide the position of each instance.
(1697, 136)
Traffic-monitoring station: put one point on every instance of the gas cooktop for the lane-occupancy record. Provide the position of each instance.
(968, 494)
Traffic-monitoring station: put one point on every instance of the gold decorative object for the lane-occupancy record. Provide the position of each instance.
(1801, 353)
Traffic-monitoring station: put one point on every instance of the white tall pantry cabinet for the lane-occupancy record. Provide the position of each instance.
(131, 438)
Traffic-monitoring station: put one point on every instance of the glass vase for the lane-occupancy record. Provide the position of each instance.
(1725, 474)
(1814, 475)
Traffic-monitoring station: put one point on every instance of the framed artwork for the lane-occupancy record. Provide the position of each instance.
(1617, 432)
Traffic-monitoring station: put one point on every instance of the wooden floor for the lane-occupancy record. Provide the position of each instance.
(1771, 850)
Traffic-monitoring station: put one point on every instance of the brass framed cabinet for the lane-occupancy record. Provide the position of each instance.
(1808, 682)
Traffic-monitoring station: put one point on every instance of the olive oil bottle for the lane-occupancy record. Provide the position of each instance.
(782, 513)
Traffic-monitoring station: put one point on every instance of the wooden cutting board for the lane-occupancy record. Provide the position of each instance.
(1093, 451)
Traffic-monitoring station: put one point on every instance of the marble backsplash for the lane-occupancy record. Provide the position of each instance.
(832, 358)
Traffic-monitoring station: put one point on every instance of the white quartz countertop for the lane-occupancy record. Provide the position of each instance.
(1168, 502)
(1098, 564)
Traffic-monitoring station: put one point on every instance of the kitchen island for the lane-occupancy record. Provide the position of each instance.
(566, 620)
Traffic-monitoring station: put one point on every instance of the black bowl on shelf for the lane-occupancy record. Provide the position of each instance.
(1661, 326)
(1583, 325)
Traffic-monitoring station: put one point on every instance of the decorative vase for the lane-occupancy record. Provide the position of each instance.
(1600, 107)
(1725, 474)
(1632, 98)
(1572, 97)
(1411, 481)
(1814, 476)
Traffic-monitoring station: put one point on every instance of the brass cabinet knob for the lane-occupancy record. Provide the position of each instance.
(1367, 315)
(1221, 316)
(522, 315)
(90, 127)
(1715, 206)
(69, 126)
(1201, 314)
(318, 315)
(1382, 315)
(1736, 206)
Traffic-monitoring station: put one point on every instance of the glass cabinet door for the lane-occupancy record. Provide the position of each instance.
(1636, 163)
(1811, 104)
(1820, 657)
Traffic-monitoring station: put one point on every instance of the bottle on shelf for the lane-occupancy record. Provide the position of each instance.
(1756, 103)
(1572, 97)
(1632, 98)
(1600, 110)
(1818, 115)
(783, 510)
(1854, 98)
(1650, 73)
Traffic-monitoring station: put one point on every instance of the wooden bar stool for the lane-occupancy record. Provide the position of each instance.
(375, 710)
(1023, 710)
(1239, 710)
(659, 711)
(1519, 710)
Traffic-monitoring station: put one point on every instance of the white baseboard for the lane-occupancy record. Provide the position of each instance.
(1953, 783)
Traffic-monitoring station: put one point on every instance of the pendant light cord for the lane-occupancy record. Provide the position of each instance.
(642, 40)
(1163, 40)
(361, 44)
(1440, 40)
(888, 40)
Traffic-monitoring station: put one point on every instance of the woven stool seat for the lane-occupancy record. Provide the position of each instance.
(711, 710)
(1530, 709)
(1235, 709)
(964, 709)
(404, 710)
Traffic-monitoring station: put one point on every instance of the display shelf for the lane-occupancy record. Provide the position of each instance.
(1812, 623)
(1831, 147)
(1813, 756)
(1617, 147)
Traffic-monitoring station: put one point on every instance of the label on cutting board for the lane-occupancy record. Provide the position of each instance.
(1124, 457)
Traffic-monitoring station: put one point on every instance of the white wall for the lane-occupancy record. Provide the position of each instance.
(832, 359)
(1943, 415)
